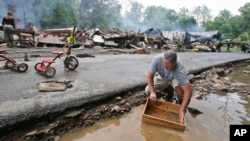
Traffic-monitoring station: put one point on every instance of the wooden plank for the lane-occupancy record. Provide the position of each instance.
(163, 114)
(158, 121)
(145, 108)
(60, 30)
(165, 105)
(162, 108)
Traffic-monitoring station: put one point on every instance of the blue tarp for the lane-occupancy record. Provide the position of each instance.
(153, 31)
(200, 38)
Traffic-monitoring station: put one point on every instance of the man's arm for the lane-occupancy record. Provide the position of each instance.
(150, 79)
(187, 94)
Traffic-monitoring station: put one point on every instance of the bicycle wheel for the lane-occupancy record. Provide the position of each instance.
(38, 66)
(22, 67)
(10, 64)
(71, 63)
(50, 72)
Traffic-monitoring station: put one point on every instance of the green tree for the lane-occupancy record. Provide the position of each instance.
(60, 17)
(160, 17)
(202, 14)
(245, 12)
(55, 14)
(113, 14)
(100, 14)
(227, 24)
(133, 16)
(45, 19)
(183, 12)
(187, 23)
(225, 14)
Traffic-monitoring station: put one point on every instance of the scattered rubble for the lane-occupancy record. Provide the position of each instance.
(216, 81)
(151, 39)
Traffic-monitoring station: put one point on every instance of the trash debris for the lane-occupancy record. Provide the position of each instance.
(55, 85)
(149, 40)
(84, 55)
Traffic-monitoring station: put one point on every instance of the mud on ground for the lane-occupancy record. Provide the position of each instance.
(217, 80)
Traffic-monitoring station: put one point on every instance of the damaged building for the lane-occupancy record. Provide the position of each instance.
(151, 39)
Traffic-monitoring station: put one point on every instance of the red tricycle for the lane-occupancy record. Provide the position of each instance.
(12, 64)
(70, 62)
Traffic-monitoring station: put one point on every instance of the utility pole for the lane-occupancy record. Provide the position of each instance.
(24, 18)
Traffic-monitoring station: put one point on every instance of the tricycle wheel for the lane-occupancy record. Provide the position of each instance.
(71, 63)
(10, 63)
(38, 66)
(50, 72)
(23, 67)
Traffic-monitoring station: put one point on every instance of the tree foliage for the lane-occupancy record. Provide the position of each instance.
(202, 14)
(232, 26)
(133, 16)
(245, 12)
(100, 14)
(55, 14)
(161, 17)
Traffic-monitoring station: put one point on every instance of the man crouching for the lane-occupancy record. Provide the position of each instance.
(164, 71)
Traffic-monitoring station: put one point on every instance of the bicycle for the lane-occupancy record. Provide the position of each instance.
(12, 64)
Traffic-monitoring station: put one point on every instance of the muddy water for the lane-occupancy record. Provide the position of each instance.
(240, 76)
(166, 115)
(213, 125)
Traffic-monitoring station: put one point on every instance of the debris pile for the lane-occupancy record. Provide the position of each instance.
(216, 81)
(141, 42)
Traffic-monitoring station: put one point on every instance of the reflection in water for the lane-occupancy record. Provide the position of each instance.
(159, 133)
(124, 129)
(80, 134)
(247, 105)
(213, 125)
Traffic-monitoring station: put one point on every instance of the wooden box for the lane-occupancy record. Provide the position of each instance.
(162, 113)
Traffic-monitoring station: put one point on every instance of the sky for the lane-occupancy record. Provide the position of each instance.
(214, 5)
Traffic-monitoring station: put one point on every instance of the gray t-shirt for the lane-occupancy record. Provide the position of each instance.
(179, 73)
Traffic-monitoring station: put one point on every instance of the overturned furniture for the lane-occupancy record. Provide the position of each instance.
(22, 38)
(162, 113)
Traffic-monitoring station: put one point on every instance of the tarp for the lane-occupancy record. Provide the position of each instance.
(154, 32)
(178, 34)
(202, 38)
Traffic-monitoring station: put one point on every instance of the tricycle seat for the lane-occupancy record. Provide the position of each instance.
(56, 52)
(48, 61)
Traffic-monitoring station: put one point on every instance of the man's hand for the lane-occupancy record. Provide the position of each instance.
(187, 94)
(181, 117)
(153, 96)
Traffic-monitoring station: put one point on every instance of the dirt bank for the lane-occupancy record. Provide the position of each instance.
(219, 80)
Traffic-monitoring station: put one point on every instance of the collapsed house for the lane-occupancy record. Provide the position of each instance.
(151, 39)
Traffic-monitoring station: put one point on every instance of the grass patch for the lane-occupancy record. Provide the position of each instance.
(233, 49)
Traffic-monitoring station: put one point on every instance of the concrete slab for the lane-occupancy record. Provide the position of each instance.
(96, 78)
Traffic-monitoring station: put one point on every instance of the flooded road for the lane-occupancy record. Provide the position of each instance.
(213, 125)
